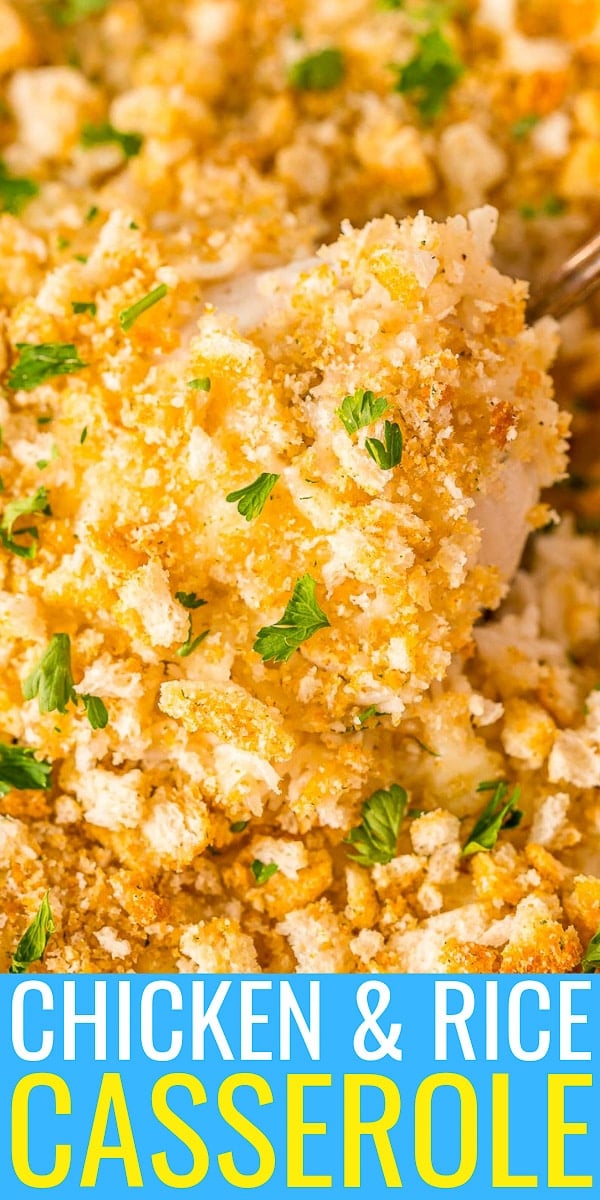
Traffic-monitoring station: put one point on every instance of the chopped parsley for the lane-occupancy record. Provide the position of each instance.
(252, 499)
(96, 711)
(21, 770)
(45, 462)
(200, 385)
(105, 133)
(91, 213)
(551, 206)
(83, 435)
(130, 315)
(42, 361)
(51, 681)
(84, 306)
(429, 76)
(524, 125)
(319, 72)
(238, 826)
(189, 599)
(591, 958)
(263, 871)
(499, 814)
(375, 839)
(15, 191)
(360, 409)
(191, 643)
(68, 12)
(386, 454)
(367, 713)
(19, 508)
(35, 939)
(301, 619)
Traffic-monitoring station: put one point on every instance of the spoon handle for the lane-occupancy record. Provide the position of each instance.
(574, 283)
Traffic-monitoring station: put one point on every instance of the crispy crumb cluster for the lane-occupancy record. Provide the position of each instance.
(168, 152)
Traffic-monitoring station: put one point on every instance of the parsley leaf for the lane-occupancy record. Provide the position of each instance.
(67, 12)
(360, 409)
(105, 133)
(524, 125)
(263, 871)
(130, 315)
(498, 814)
(16, 509)
(551, 206)
(252, 499)
(191, 643)
(35, 939)
(37, 363)
(430, 74)
(302, 618)
(15, 191)
(238, 827)
(96, 711)
(21, 770)
(200, 385)
(386, 454)
(52, 681)
(371, 711)
(591, 958)
(84, 306)
(189, 599)
(374, 840)
(318, 72)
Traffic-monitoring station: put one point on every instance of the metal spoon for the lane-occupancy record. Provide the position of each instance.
(572, 285)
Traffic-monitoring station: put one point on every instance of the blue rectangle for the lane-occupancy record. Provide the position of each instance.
(416, 1084)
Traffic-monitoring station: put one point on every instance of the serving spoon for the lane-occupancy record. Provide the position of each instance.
(575, 281)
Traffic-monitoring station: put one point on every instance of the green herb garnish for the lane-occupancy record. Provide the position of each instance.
(318, 72)
(104, 134)
(51, 681)
(375, 839)
(21, 770)
(252, 499)
(263, 871)
(301, 619)
(18, 508)
(189, 599)
(591, 958)
(15, 191)
(551, 206)
(430, 75)
(96, 711)
(68, 12)
(84, 306)
(360, 409)
(35, 939)
(386, 454)
(130, 315)
(191, 643)
(83, 435)
(524, 125)
(238, 826)
(498, 814)
(43, 361)
(200, 385)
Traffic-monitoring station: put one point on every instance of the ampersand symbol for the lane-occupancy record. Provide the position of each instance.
(387, 1044)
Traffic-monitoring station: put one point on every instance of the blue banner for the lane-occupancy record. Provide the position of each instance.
(217, 1084)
